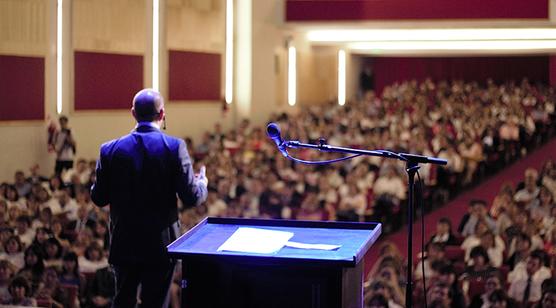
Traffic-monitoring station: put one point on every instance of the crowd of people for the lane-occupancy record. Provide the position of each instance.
(500, 255)
(55, 241)
(479, 129)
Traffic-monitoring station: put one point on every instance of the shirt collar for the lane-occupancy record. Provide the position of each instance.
(149, 124)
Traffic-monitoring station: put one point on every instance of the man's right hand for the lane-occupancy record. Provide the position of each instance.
(201, 177)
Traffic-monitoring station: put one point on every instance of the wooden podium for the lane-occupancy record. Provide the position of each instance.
(291, 277)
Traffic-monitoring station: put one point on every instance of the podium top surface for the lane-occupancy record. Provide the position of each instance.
(206, 237)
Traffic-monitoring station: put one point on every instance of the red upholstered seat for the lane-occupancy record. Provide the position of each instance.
(476, 287)
(73, 293)
(454, 253)
(44, 302)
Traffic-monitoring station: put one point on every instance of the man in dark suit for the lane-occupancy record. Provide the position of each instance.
(139, 175)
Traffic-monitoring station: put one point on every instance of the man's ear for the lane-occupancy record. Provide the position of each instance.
(133, 113)
(161, 114)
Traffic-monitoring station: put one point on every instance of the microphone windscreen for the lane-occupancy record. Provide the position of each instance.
(273, 130)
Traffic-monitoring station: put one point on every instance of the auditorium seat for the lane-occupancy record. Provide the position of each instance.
(73, 293)
(476, 287)
(454, 253)
(47, 303)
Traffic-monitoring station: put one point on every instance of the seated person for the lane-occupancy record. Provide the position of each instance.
(499, 298)
(382, 287)
(494, 245)
(6, 274)
(93, 259)
(53, 253)
(51, 289)
(101, 289)
(435, 252)
(473, 240)
(13, 252)
(438, 295)
(20, 293)
(444, 233)
(493, 283)
(523, 246)
(480, 269)
(527, 277)
(478, 213)
(446, 274)
(548, 299)
(376, 301)
(33, 269)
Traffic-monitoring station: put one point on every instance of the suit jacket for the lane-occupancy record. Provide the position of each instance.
(139, 175)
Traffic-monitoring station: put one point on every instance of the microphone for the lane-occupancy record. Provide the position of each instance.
(273, 132)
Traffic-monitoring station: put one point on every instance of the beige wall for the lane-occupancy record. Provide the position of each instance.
(28, 27)
(316, 66)
(317, 75)
(25, 30)
(109, 25)
(196, 25)
(268, 41)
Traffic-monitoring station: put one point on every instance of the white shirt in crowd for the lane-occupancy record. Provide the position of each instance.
(393, 186)
(27, 237)
(17, 259)
(357, 202)
(70, 209)
(83, 176)
(217, 208)
(88, 266)
(54, 206)
(65, 152)
(21, 204)
(518, 282)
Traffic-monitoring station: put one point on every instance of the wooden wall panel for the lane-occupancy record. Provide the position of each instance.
(110, 26)
(197, 25)
(24, 27)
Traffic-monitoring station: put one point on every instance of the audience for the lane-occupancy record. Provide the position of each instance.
(52, 235)
(509, 266)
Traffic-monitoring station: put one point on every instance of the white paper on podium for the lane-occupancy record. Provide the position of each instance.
(312, 246)
(256, 240)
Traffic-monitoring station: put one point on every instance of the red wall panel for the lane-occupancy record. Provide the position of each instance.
(552, 70)
(333, 10)
(392, 69)
(106, 81)
(194, 75)
(22, 88)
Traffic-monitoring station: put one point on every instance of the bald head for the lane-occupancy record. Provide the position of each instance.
(148, 105)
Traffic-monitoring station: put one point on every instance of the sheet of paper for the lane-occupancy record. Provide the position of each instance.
(312, 246)
(256, 240)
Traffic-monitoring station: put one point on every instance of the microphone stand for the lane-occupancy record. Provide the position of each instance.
(412, 166)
